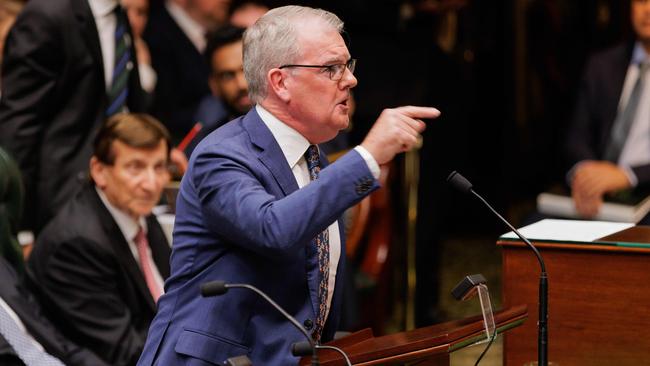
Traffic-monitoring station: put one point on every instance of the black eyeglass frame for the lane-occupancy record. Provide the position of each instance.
(350, 65)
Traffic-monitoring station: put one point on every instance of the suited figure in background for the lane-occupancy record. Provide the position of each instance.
(101, 263)
(229, 98)
(176, 34)
(255, 206)
(68, 64)
(609, 138)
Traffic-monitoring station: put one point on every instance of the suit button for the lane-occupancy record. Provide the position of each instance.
(308, 324)
(364, 186)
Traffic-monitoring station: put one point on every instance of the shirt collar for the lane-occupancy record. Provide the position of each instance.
(639, 54)
(192, 29)
(127, 225)
(101, 8)
(292, 143)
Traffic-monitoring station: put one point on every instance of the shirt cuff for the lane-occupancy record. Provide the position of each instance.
(370, 161)
(634, 181)
(148, 77)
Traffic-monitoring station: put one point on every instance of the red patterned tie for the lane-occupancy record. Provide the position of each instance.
(322, 243)
(142, 244)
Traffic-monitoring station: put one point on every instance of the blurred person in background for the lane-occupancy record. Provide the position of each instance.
(244, 13)
(9, 10)
(227, 83)
(176, 35)
(68, 64)
(608, 145)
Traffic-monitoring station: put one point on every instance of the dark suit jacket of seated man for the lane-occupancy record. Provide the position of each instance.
(29, 312)
(601, 109)
(250, 211)
(87, 265)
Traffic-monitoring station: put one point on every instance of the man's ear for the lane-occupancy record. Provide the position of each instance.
(277, 80)
(98, 172)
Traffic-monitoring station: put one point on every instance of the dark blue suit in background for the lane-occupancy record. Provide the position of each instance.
(600, 92)
(241, 218)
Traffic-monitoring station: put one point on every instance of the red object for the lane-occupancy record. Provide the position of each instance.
(190, 136)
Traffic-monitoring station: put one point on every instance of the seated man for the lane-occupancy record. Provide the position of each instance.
(102, 260)
(609, 138)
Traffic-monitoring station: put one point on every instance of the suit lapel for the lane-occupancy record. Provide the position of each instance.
(88, 28)
(270, 155)
(160, 250)
(24, 305)
(122, 250)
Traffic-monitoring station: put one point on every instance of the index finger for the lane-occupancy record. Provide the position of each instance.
(419, 112)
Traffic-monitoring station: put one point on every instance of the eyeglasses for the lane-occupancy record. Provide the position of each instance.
(335, 71)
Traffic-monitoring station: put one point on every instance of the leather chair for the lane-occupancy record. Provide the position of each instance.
(11, 206)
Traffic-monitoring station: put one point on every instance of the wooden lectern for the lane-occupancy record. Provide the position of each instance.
(599, 299)
(426, 346)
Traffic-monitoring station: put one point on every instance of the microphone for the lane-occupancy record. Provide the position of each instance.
(216, 288)
(462, 184)
(300, 349)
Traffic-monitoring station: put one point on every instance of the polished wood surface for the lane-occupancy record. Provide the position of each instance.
(427, 346)
(599, 305)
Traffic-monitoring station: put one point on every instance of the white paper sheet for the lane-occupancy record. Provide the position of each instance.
(568, 230)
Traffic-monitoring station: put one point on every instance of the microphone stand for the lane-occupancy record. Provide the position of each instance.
(542, 325)
(219, 287)
(463, 185)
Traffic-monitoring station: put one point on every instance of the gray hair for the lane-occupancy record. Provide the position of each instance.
(273, 41)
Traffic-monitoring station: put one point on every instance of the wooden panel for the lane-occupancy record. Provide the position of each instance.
(599, 304)
(427, 346)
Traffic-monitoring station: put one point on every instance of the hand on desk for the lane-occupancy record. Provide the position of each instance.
(591, 181)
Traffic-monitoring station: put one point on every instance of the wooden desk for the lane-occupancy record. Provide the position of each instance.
(428, 346)
(599, 300)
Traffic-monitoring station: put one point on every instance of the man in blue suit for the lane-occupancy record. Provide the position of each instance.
(255, 208)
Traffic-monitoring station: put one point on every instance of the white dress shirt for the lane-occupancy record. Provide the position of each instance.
(105, 20)
(636, 150)
(294, 146)
(20, 324)
(129, 229)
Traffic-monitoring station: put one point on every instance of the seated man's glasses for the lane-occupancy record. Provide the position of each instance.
(335, 71)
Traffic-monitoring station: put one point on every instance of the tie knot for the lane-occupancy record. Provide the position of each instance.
(140, 238)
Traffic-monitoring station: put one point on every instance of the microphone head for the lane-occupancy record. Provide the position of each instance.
(459, 182)
(213, 288)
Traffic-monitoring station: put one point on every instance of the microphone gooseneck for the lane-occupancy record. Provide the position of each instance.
(215, 288)
(462, 184)
(300, 349)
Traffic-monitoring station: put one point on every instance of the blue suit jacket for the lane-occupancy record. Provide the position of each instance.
(241, 218)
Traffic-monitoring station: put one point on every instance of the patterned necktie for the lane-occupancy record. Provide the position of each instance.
(22, 344)
(323, 246)
(119, 91)
(625, 119)
(142, 244)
